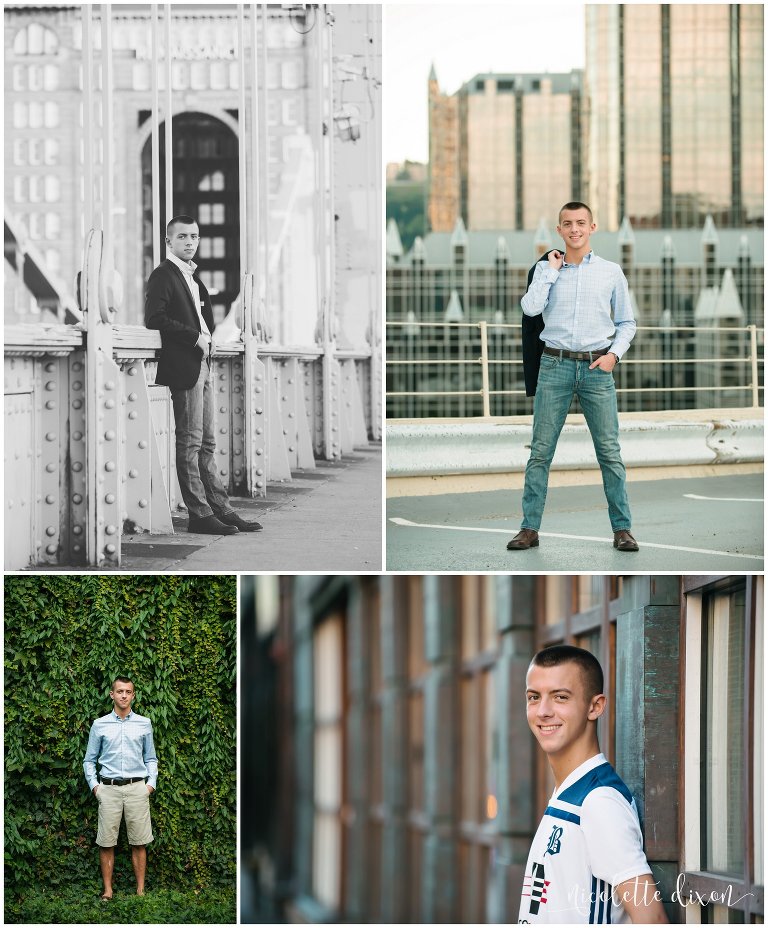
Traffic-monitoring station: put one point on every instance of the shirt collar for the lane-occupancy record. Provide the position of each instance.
(585, 260)
(187, 267)
(118, 717)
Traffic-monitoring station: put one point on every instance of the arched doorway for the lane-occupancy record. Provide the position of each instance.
(205, 185)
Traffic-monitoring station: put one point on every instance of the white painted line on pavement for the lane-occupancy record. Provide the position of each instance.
(506, 531)
(723, 499)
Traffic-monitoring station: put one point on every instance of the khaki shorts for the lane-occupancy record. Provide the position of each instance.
(131, 799)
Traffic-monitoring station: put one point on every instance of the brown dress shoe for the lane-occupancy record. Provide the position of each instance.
(525, 538)
(623, 541)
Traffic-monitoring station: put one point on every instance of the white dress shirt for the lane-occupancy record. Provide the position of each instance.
(188, 268)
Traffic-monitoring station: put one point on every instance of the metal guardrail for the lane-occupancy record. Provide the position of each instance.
(484, 361)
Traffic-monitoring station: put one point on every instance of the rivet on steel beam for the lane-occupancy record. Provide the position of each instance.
(224, 472)
(143, 504)
(259, 431)
(50, 367)
(133, 472)
(77, 385)
(109, 435)
(259, 471)
(285, 431)
(109, 404)
(290, 380)
(50, 531)
(110, 530)
(222, 450)
(51, 549)
(77, 530)
(77, 404)
(223, 430)
(131, 397)
(257, 390)
(109, 385)
(77, 548)
(291, 415)
(259, 483)
(238, 431)
(238, 410)
(109, 498)
(51, 404)
(259, 451)
(133, 414)
(50, 468)
(77, 436)
(238, 472)
(142, 444)
(50, 499)
(109, 466)
(222, 409)
(51, 386)
(285, 398)
(258, 378)
(291, 448)
(50, 436)
(259, 410)
(131, 371)
(110, 549)
(77, 366)
(77, 498)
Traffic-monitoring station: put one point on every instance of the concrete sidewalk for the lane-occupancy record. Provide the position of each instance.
(328, 519)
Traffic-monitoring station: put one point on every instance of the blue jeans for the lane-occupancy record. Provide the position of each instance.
(559, 379)
(201, 488)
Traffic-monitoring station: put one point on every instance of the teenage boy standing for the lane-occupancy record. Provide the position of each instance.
(588, 325)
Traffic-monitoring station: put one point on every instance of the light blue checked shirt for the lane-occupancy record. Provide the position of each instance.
(124, 747)
(576, 303)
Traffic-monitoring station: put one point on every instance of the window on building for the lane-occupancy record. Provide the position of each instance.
(51, 115)
(51, 148)
(328, 756)
(218, 77)
(53, 260)
(725, 738)
(35, 114)
(50, 77)
(20, 156)
(52, 189)
(36, 228)
(35, 39)
(724, 720)
(36, 189)
(19, 77)
(199, 75)
(52, 226)
(20, 115)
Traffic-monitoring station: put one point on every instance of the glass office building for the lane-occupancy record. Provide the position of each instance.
(674, 94)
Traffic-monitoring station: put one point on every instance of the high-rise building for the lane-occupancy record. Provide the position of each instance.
(505, 150)
(674, 95)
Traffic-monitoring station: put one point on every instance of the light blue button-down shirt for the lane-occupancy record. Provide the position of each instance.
(576, 303)
(125, 748)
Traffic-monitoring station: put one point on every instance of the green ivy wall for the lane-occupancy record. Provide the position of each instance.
(66, 638)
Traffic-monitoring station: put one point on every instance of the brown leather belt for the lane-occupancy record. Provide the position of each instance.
(575, 355)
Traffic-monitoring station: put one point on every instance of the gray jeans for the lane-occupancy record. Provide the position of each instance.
(201, 488)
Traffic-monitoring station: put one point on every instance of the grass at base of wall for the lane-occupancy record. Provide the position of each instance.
(159, 906)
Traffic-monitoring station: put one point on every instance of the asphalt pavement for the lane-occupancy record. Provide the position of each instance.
(696, 525)
(328, 519)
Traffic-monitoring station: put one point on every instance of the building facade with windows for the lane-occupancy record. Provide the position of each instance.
(46, 142)
(664, 126)
(504, 149)
(675, 100)
(403, 757)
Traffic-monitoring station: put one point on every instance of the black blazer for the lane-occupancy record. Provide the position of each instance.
(169, 307)
(533, 346)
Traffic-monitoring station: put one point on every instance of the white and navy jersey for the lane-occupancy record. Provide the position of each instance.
(588, 842)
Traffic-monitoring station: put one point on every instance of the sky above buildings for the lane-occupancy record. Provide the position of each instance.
(461, 40)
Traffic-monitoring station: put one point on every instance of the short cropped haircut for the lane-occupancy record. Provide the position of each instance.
(591, 671)
(181, 220)
(121, 679)
(574, 204)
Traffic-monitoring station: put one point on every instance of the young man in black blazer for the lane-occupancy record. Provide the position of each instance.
(178, 305)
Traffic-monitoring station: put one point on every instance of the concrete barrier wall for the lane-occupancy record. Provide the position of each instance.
(467, 447)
